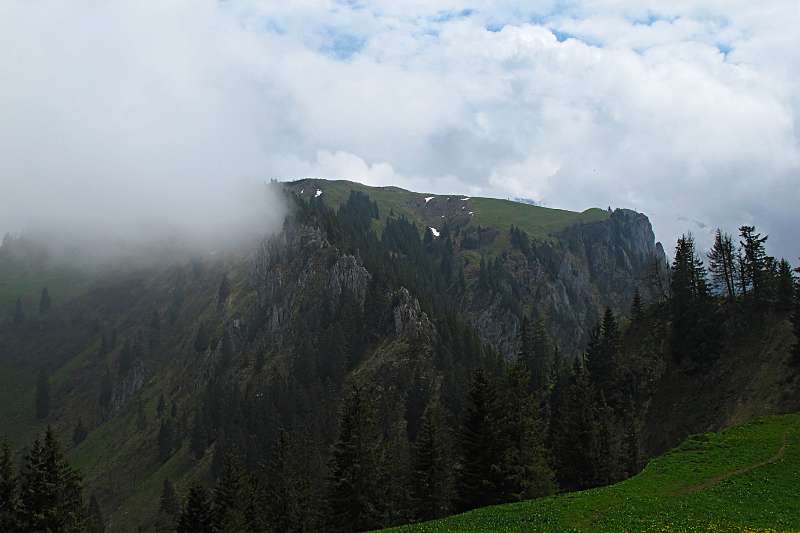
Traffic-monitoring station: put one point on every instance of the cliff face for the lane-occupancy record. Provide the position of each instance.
(569, 280)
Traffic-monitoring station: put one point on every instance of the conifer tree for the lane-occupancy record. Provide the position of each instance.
(224, 292)
(526, 471)
(126, 357)
(479, 482)
(162, 406)
(432, 482)
(166, 439)
(79, 433)
(281, 502)
(169, 509)
(602, 459)
(695, 329)
(141, 417)
(104, 349)
(631, 457)
(353, 470)
(753, 262)
(43, 394)
(784, 286)
(96, 522)
(51, 496)
(44, 302)
(9, 493)
(603, 352)
(231, 497)
(796, 320)
(202, 340)
(169, 502)
(572, 429)
(636, 306)
(394, 476)
(196, 516)
(106, 390)
(722, 264)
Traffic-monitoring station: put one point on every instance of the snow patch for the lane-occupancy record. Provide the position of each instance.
(471, 213)
(318, 193)
(301, 191)
(465, 199)
(428, 199)
(434, 231)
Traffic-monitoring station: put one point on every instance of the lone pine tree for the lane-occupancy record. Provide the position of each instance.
(50, 490)
(353, 467)
(480, 480)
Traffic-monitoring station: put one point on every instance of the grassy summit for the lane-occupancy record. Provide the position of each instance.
(428, 209)
(746, 478)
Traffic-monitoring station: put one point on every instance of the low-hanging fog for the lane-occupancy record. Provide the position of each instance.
(132, 117)
(124, 126)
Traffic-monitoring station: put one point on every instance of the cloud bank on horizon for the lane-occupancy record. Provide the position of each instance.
(688, 111)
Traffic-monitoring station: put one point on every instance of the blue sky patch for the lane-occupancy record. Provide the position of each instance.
(343, 46)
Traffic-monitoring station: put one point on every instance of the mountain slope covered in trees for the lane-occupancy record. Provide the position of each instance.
(358, 370)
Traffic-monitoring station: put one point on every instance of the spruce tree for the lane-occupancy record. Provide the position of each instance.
(166, 439)
(394, 476)
(162, 406)
(784, 286)
(636, 306)
(169, 508)
(432, 481)
(479, 482)
(202, 339)
(141, 417)
(282, 508)
(722, 264)
(796, 320)
(169, 501)
(106, 390)
(695, 329)
(231, 498)
(224, 292)
(126, 357)
(603, 353)
(572, 429)
(51, 495)
(353, 470)
(753, 262)
(79, 433)
(526, 470)
(96, 522)
(197, 513)
(9, 492)
(44, 302)
(43, 394)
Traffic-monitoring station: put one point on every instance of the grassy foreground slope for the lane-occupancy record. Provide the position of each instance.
(746, 478)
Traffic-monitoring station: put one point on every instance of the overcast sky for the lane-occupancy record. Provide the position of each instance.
(688, 110)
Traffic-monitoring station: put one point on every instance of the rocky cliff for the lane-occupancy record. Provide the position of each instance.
(569, 279)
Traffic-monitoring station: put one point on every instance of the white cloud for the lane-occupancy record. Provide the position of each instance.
(686, 109)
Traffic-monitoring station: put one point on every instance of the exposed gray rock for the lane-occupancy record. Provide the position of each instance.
(409, 320)
(569, 280)
(348, 274)
(128, 386)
